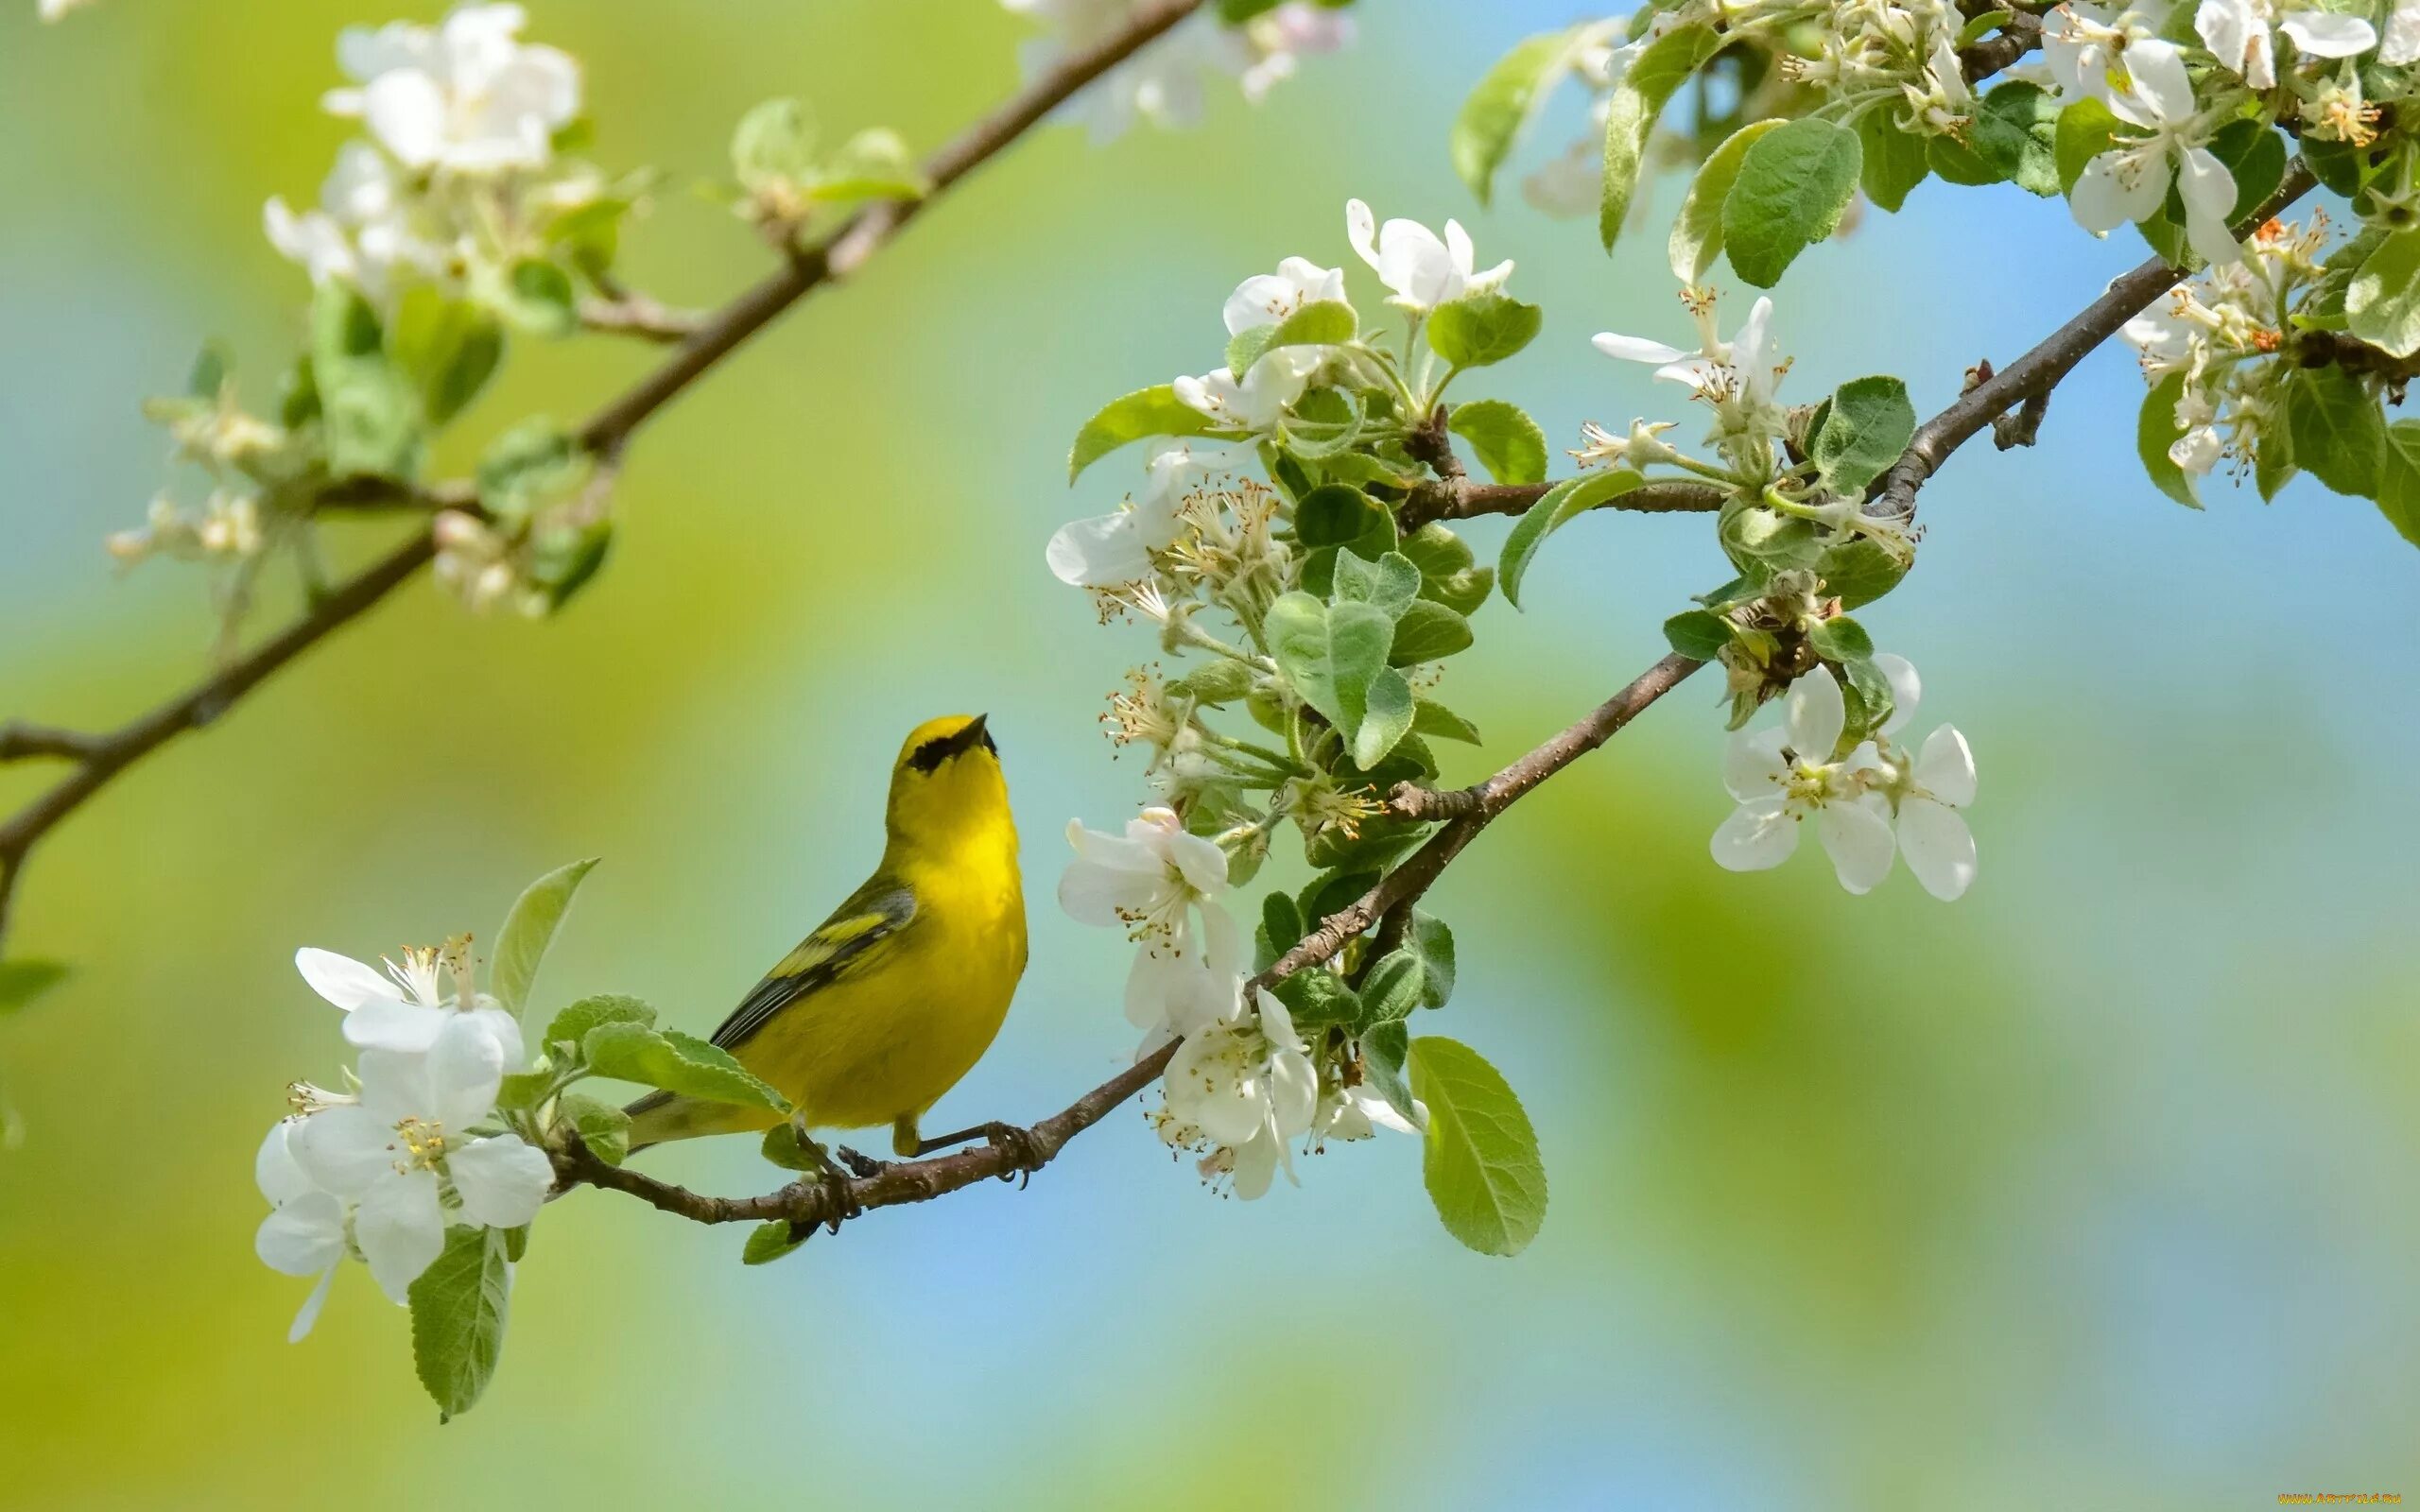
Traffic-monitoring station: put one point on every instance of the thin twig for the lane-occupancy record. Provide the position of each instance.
(854, 240)
(639, 317)
(1461, 499)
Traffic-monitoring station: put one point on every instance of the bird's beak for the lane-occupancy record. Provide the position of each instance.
(973, 734)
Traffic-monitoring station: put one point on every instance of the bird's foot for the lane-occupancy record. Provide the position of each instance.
(840, 1198)
(861, 1166)
(1025, 1154)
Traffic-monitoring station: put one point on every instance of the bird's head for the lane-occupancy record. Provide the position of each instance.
(947, 781)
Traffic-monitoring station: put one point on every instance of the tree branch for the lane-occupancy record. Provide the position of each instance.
(1461, 499)
(2034, 375)
(103, 757)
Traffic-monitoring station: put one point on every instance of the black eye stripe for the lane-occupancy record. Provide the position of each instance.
(929, 756)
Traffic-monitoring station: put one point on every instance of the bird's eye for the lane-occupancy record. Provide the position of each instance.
(929, 756)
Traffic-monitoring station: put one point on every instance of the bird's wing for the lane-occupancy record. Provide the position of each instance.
(857, 931)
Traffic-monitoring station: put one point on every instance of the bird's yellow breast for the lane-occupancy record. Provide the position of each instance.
(885, 1044)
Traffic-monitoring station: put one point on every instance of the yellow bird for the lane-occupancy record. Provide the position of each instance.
(895, 996)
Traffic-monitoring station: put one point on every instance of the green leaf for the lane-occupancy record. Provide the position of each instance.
(1637, 100)
(1384, 1050)
(2338, 431)
(1958, 164)
(1386, 717)
(1867, 695)
(2398, 480)
(2155, 431)
(2085, 130)
(1214, 683)
(1434, 944)
(2383, 299)
(603, 1127)
(528, 929)
(1793, 187)
(458, 1316)
(1394, 988)
(769, 1242)
(1697, 231)
(1895, 160)
(212, 367)
(773, 146)
(1154, 411)
(1428, 631)
(2255, 155)
(872, 165)
(2272, 462)
(449, 348)
(1561, 504)
(1506, 441)
(537, 296)
(369, 413)
(1335, 514)
(1446, 570)
(1481, 1160)
(1865, 427)
(1282, 928)
(533, 463)
(572, 1024)
(1841, 638)
(1506, 98)
(1480, 330)
(1332, 654)
(1858, 572)
(1316, 998)
(1429, 718)
(678, 1063)
(2339, 167)
(784, 1147)
(1320, 323)
(2016, 130)
(1390, 582)
(23, 981)
(1699, 634)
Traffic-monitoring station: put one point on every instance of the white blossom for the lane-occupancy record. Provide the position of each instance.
(465, 95)
(1357, 1112)
(1740, 379)
(53, 9)
(1162, 885)
(1782, 776)
(407, 1006)
(1248, 1085)
(1255, 406)
(2085, 45)
(1277, 40)
(1408, 258)
(1269, 298)
(2130, 183)
(1115, 548)
(304, 1233)
(1932, 832)
(407, 1145)
(2401, 43)
(362, 230)
(2240, 34)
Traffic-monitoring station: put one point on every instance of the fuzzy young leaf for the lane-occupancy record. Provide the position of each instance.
(1895, 160)
(603, 1127)
(459, 1307)
(1434, 944)
(1492, 116)
(784, 1147)
(1384, 1050)
(1698, 634)
(769, 1242)
(1429, 718)
(1481, 1159)
(1318, 998)
(773, 146)
(1858, 572)
(1394, 988)
(1865, 427)
(1506, 441)
(2398, 481)
(1652, 78)
(538, 297)
(678, 1063)
(1480, 330)
(2338, 429)
(1428, 631)
(1841, 638)
(2383, 299)
(2155, 431)
(370, 412)
(1282, 928)
(1793, 187)
(872, 165)
(2016, 131)
(572, 1024)
(1390, 582)
(1561, 504)
(1332, 654)
(528, 929)
(1697, 231)
(1335, 514)
(447, 347)
(1214, 683)
(1154, 411)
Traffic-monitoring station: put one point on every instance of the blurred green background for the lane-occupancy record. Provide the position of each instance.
(2093, 1190)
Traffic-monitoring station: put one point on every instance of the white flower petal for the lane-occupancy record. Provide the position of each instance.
(1101, 551)
(2157, 69)
(274, 1169)
(1906, 689)
(2118, 188)
(344, 1150)
(400, 1230)
(1945, 767)
(1293, 1092)
(2209, 192)
(2227, 27)
(1200, 862)
(2324, 34)
(303, 1237)
(1256, 1165)
(1939, 847)
(465, 1069)
(1753, 765)
(1637, 349)
(390, 1023)
(1759, 836)
(342, 980)
(2402, 42)
(1814, 717)
(1858, 840)
(1361, 228)
(308, 1314)
(502, 1181)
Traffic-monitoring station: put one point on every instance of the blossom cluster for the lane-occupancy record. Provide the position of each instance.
(377, 1169)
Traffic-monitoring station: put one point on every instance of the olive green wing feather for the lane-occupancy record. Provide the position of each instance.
(857, 932)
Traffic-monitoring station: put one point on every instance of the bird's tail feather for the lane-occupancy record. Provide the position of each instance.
(660, 1117)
